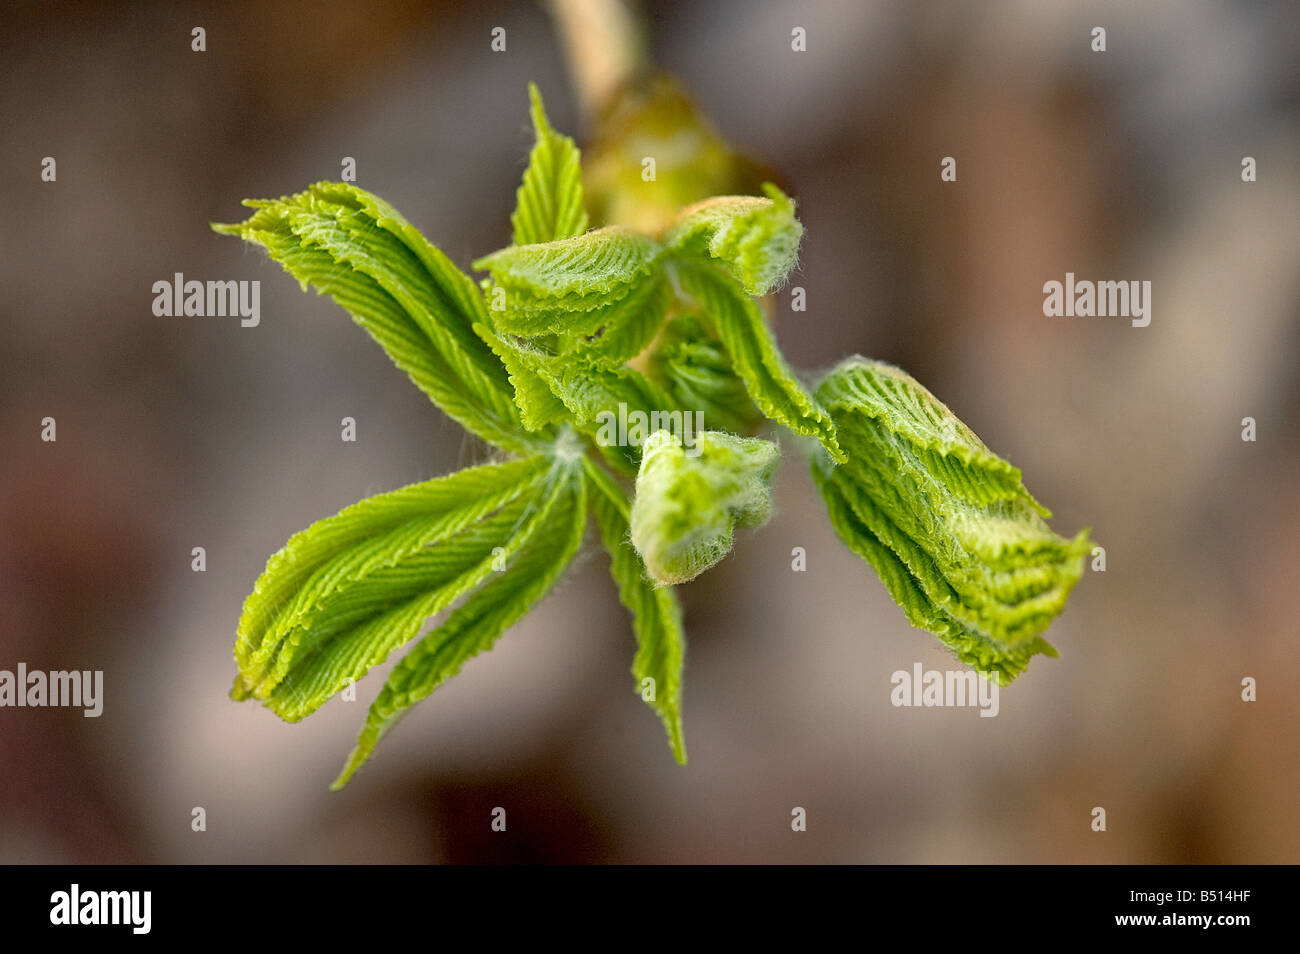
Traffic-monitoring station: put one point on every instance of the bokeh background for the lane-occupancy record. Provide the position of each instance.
(175, 433)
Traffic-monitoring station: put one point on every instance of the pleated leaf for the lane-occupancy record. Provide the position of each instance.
(631, 326)
(693, 368)
(656, 613)
(548, 205)
(690, 499)
(739, 324)
(755, 240)
(574, 286)
(543, 551)
(346, 591)
(413, 301)
(959, 542)
(534, 396)
(594, 394)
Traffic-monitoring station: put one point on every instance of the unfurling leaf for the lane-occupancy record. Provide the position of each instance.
(949, 526)
(755, 240)
(543, 549)
(421, 309)
(631, 326)
(574, 286)
(591, 393)
(693, 367)
(690, 499)
(346, 591)
(739, 324)
(656, 614)
(537, 403)
(549, 202)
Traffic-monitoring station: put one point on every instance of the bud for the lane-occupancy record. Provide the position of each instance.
(689, 500)
(755, 240)
(959, 542)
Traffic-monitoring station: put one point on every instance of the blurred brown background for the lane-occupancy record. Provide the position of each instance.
(175, 433)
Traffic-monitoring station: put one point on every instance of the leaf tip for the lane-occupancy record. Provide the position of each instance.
(679, 746)
(537, 109)
(773, 192)
(358, 758)
(239, 691)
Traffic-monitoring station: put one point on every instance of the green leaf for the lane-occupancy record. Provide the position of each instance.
(690, 499)
(416, 304)
(631, 326)
(755, 240)
(592, 392)
(542, 553)
(537, 402)
(693, 368)
(574, 286)
(549, 202)
(739, 323)
(347, 590)
(656, 614)
(882, 392)
(959, 542)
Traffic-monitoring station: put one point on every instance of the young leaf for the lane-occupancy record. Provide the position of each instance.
(575, 286)
(656, 614)
(884, 393)
(549, 202)
(739, 323)
(693, 368)
(346, 591)
(689, 500)
(358, 628)
(306, 551)
(630, 327)
(540, 558)
(755, 240)
(948, 525)
(537, 403)
(414, 302)
(592, 392)
(904, 587)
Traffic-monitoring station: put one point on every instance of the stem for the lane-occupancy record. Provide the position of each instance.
(604, 45)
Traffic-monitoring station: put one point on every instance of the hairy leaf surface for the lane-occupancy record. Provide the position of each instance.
(692, 366)
(549, 201)
(347, 590)
(540, 555)
(755, 240)
(593, 393)
(689, 500)
(739, 324)
(415, 303)
(573, 286)
(959, 542)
